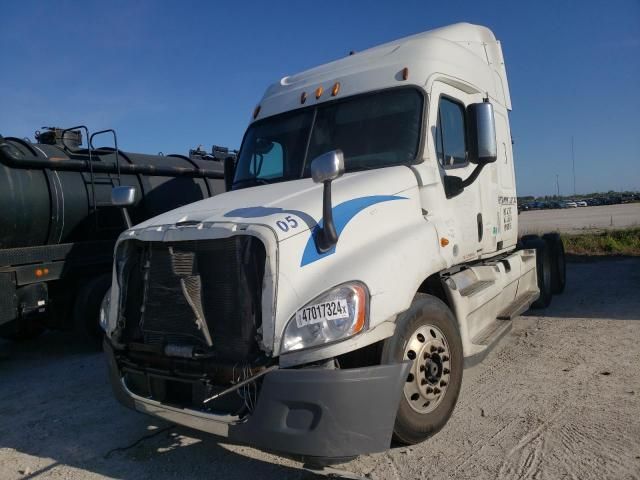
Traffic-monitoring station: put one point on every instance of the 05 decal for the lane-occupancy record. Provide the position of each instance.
(289, 223)
(343, 213)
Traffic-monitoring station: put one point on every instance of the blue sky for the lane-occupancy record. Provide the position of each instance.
(171, 75)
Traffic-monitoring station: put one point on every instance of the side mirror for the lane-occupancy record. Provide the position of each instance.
(481, 133)
(482, 147)
(123, 196)
(229, 172)
(328, 166)
(324, 169)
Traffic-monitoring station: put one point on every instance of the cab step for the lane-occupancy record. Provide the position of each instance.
(476, 287)
(518, 306)
(491, 333)
(484, 341)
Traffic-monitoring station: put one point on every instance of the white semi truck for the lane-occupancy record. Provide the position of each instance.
(365, 254)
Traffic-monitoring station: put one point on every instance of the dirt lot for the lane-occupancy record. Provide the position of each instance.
(558, 398)
(581, 219)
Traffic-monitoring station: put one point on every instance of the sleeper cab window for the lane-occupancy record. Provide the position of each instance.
(450, 138)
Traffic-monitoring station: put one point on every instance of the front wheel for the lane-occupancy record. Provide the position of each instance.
(426, 334)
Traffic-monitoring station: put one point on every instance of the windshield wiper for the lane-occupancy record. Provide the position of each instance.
(251, 181)
(375, 167)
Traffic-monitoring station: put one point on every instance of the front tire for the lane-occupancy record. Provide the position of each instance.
(427, 334)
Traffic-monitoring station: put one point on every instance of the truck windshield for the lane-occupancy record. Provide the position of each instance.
(373, 130)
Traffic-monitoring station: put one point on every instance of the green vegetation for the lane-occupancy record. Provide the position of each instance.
(610, 242)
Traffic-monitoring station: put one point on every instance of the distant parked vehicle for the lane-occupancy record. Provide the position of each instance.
(570, 205)
(582, 203)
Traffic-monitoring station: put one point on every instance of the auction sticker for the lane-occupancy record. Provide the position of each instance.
(333, 310)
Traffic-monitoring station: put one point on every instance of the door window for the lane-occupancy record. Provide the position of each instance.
(451, 144)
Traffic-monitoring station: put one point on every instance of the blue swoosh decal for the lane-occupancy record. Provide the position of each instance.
(342, 215)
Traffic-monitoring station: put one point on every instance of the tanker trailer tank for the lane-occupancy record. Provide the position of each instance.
(58, 226)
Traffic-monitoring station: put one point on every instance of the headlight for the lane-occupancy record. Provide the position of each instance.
(335, 315)
(105, 306)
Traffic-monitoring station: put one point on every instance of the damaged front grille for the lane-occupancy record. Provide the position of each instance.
(204, 294)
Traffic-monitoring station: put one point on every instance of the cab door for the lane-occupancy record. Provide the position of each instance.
(463, 213)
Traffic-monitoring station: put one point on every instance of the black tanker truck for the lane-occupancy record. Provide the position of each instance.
(58, 224)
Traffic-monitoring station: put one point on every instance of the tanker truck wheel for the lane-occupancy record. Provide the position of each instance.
(21, 330)
(86, 310)
(428, 335)
(558, 263)
(543, 267)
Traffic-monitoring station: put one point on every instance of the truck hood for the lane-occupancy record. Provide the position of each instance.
(293, 207)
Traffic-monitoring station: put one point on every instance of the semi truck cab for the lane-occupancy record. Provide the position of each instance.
(365, 252)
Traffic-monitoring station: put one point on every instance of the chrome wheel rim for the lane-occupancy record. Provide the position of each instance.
(428, 379)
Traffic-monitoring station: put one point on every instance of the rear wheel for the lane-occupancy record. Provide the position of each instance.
(427, 334)
(558, 263)
(543, 267)
(21, 330)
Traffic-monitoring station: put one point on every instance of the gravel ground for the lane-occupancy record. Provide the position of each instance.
(581, 219)
(558, 398)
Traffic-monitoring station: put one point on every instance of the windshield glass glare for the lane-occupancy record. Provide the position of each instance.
(374, 131)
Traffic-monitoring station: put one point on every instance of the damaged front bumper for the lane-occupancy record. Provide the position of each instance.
(310, 412)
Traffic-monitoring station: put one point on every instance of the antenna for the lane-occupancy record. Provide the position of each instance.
(573, 161)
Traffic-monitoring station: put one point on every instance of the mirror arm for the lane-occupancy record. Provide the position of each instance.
(327, 236)
(122, 197)
(324, 169)
(127, 218)
(454, 186)
(472, 178)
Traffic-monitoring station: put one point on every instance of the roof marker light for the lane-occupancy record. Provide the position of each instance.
(335, 89)
(303, 97)
(319, 91)
(405, 73)
(256, 112)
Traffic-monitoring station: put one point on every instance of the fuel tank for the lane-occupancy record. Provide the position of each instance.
(53, 191)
